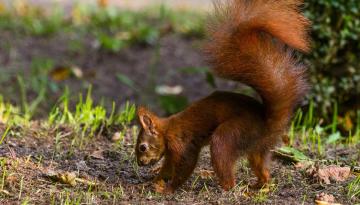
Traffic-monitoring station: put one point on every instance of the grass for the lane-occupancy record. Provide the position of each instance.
(354, 188)
(5, 134)
(317, 136)
(89, 119)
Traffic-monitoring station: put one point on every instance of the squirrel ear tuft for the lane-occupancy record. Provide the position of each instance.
(148, 120)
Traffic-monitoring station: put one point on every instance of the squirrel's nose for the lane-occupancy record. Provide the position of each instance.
(143, 147)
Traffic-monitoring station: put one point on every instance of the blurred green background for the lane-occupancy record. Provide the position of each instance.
(150, 53)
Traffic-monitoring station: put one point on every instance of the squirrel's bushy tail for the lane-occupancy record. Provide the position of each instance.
(252, 41)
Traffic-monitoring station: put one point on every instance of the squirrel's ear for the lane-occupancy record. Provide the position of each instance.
(148, 120)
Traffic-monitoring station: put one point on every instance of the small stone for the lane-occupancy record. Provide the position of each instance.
(116, 137)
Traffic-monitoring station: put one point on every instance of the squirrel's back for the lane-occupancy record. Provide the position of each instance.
(223, 105)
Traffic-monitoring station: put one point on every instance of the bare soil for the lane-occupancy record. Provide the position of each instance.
(31, 153)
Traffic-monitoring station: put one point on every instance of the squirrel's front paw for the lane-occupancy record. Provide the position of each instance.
(161, 187)
(168, 190)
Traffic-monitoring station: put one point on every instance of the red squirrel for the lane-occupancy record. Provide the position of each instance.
(252, 42)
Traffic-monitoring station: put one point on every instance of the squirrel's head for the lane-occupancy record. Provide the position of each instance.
(150, 145)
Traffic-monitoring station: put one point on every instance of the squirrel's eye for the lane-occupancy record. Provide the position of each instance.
(143, 148)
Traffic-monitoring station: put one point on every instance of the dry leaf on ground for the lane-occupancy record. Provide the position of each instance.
(86, 182)
(325, 199)
(68, 178)
(330, 173)
(206, 174)
(291, 154)
(98, 154)
(65, 177)
(60, 73)
(318, 202)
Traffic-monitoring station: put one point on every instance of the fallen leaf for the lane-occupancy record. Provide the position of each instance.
(65, 177)
(85, 181)
(325, 197)
(329, 174)
(68, 178)
(291, 154)
(206, 174)
(318, 202)
(97, 154)
(60, 73)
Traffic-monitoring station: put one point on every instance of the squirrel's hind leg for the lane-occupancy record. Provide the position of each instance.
(259, 164)
(225, 152)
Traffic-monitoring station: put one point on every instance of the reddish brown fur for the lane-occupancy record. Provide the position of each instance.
(250, 42)
(229, 122)
(242, 48)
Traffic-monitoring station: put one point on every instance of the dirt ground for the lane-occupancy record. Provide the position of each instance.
(30, 155)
